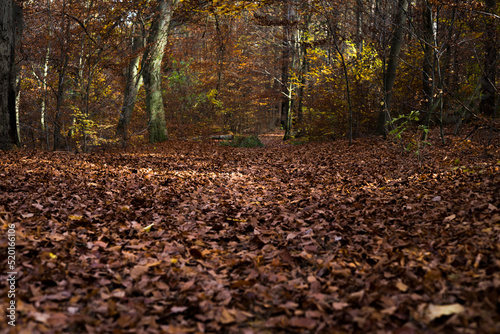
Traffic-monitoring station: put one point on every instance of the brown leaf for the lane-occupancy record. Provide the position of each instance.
(178, 309)
(339, 305)
(226, 317)
(307, 323)
(138, 271)
(401, 286)
(188, 285)
(196, 253)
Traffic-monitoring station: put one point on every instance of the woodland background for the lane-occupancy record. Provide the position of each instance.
(316, 68)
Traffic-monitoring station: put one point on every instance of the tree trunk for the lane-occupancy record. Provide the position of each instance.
(428, 62)
(58, 138)
(61, 83)
(359, 28)
(488, 78)
(133, 84)
(392, 65)
(285, 66)
(302, 77)
(8, 137)
(289, 61)
(152, 60)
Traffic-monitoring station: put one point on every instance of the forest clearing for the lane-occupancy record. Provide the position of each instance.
(195, 237)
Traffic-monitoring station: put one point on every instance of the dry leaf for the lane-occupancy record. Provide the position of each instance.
(401, 286)
(137, 271)
(435, 311)
(226, 317)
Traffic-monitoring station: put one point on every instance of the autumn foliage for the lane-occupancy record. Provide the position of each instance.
(314, 68)
(274, 166)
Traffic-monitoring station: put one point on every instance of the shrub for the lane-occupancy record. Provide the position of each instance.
(244, 141)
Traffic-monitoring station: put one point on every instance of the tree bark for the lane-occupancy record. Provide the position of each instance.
(428, 62)
(359, 28)
(152, 59)
(8, 133)
(289, 61)
(392, 65)
(488, 78)
(285, 67)
(61, 82)
(133, 83)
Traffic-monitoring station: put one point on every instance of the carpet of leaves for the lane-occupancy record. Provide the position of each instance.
(315, 238)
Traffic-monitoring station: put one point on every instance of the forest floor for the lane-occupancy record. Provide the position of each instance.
(190, 237)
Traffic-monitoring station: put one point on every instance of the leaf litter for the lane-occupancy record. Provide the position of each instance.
(193, 237)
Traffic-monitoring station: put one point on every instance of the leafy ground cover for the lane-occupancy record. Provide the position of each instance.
(196, 237)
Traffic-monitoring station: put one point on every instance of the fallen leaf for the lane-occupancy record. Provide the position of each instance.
(450, 218)
(196, 253)
(435, 311)
(401, 286)
(307, 323)
(148, 228)
(339, 305)
(138, 271)
(226, 317)
(178, 309)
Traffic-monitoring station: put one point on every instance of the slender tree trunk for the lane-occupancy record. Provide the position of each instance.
(43, 104)
(45, 71)
(428, 62)
(392, 65)
(58, 137)
(488, 78)
(8, 134)
(333, 36)
(61, 83)
(359, 27)
(133, 82)
(17, 103)
(285, 66)
(289, 59)
(302, 77)
(152, 60)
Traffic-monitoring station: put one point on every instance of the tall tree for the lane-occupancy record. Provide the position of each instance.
(64, 55)
(491, 46)
(133, 82)
(392, 65)
(288, 52)
(428, 61)
(152, 60)
(8, 133)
